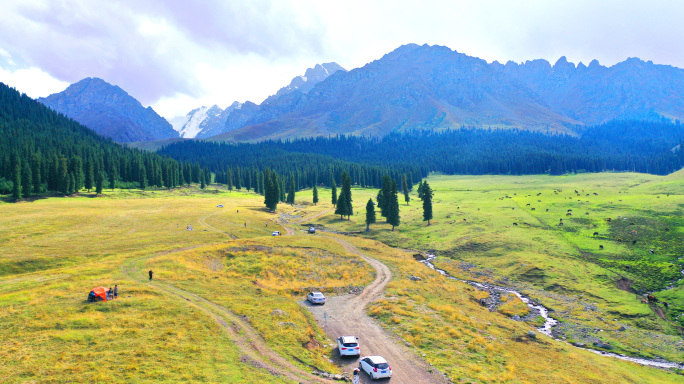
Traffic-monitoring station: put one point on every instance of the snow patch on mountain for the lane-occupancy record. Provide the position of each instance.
(193, 124)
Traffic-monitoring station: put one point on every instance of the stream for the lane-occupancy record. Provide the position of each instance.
(550, 322)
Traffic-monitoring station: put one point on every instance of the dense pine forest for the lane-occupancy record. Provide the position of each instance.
(647, 147)
(42, 151)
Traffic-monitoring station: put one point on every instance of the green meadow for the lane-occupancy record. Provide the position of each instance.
(230, 270)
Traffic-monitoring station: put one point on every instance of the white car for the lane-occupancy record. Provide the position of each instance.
(312, 229)
(376, 367)
(219, 206)
(316, 298)
(348, 346)
(276, 233)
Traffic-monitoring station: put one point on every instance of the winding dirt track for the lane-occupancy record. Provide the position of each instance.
(346, 315)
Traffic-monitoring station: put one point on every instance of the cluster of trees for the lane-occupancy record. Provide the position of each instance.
(388, 202)
(648, 147)
(242, 160)
(43, 151)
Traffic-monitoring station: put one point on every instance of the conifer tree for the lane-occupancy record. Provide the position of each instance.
(112, 176)
(142, 176)
(282, 190)
(238, 179)
(202, 179)
(404, 186)
(230, 179)
(315, 195)
(248, 185)
(272, 191)
(386, 192)
(333, 188)
(393, 206)
(427, 202)
(26, 180)
(99, 177)
(370, 214)
(90, 174)
(291, 192)
(36, 174)
(420, 190)
(380, 198)
(16, 176)
(72, 183)
(63, 176)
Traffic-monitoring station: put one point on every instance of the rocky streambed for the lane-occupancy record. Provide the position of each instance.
(537, 309)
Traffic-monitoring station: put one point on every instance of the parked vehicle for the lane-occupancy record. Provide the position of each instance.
(312, 230)
(348, 346)
(276, 233)
(316, 298)
(219, 206)
(376, 367)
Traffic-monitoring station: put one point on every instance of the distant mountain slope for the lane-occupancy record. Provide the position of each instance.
(109, 111)
(435, 88)
(207, 122)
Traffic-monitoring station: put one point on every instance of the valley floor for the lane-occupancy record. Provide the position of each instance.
(225, 304)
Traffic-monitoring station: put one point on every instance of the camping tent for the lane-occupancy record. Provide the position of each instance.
(98, 294)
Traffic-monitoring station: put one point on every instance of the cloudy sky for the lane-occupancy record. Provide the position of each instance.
(177, 55)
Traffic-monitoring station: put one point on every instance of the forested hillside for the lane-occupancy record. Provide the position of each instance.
(646, 147)
(44, 151)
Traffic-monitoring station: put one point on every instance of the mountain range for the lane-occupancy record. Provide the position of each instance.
(206, 122)
(415, 87)
(109, 111)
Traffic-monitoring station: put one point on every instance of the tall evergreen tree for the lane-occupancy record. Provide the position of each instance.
(142, 176)
(113, 175)
(202, 180)
(333, 188)
(315, 195)
(63, 176)
(272, 192)
(26, 180)
(393, 206)
(36, 174)
(16, 176)
(420, 190)
(238, 179)
(370, 214)
(230, 179)
(90, 174)
(291, 192)
(427, 202)
(404, 186)
(344, 202)
(99, 177)
(384, 202)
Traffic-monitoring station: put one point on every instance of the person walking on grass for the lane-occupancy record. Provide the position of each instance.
(116, 291)
(151, 273)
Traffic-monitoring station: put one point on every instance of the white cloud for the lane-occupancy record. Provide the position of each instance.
(177, 55)
(32, 81)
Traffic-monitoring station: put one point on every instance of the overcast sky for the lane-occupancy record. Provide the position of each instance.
(177, 55)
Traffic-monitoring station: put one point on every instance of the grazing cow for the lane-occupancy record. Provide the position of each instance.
(619, 240)
(634, 242)
(527, 205)
(560, 224)
(595, 233)
(651, 251)
(608, 219)
(464, 219)
(547, 209)
(666, 304)
(576, 191)
(568, 214)
(533, 209)
(569, 210)
(515, 224)
(600, 246)
(513, 208)
(652, 299)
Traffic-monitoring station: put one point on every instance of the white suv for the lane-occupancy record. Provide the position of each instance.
(376, 367)
(348, 346)
(316, 298)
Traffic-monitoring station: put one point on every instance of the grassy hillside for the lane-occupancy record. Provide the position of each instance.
(177, 328)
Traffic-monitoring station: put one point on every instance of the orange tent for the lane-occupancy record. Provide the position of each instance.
(98, 294)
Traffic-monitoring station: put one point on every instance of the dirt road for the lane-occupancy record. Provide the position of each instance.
(345, 315)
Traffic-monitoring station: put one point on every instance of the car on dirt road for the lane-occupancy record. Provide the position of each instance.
(312, 229)
(315, 298)
(348, 346)
(276, 233)
(376, 367)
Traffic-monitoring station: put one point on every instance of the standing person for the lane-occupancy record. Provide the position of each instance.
(110, 294)
(116, 291)
(245, 224)
(357, 377)
(151, 274)
(267, 223)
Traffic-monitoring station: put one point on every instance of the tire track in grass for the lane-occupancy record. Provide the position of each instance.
(253, 347)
